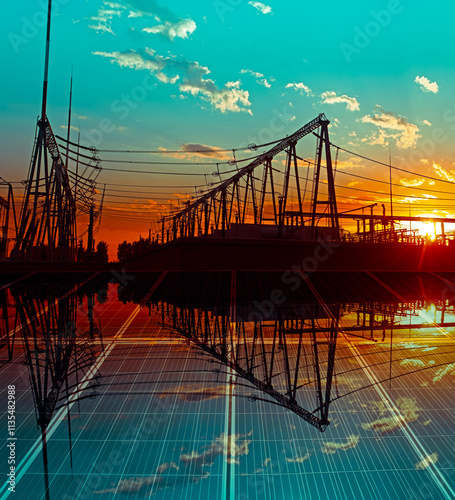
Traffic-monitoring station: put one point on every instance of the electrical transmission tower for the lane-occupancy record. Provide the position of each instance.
(53, 194)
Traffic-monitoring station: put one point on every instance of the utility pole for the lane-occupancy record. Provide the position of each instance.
(90, 234)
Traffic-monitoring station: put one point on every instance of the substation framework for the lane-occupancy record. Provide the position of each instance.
(228, 203)
(54, 195)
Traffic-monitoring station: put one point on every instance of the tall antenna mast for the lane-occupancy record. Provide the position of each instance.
(46, 62)
(390, 175)
(69, 121)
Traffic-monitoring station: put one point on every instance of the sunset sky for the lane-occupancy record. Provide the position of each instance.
(150, 75)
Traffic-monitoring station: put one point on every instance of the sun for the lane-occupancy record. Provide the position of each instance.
(425, 229)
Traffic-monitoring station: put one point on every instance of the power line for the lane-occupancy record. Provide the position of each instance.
(391, 166)
(160, 151)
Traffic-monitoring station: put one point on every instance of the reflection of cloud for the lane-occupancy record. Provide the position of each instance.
(331, 447)
(426, 85)
(414, 346)
(262, 466)
(444, 371)
(408, 133)
(331, 97)
(409, 413)
(426, 461)
(412, 362)
(194, 393)
(299, 459)
(194, 464)
(190, 76)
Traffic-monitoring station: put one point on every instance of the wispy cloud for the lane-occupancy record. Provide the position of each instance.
(194, 466)
(259, 77)
(172, 26)
(412, 182)
(331, 447)
(443, 174)
(300, 87)
(180, 29)
(261, 7)
(442, 372)
(102, 22)
(190, 77)
(407, 133)
(426, 85)
(331, 97)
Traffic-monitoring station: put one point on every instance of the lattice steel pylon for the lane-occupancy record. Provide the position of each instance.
(243, 199)
(47, 223)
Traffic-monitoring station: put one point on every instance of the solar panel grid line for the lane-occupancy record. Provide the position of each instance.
(34, 451)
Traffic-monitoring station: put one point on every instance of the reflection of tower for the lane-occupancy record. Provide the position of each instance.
(56, 355)
(275, 356)
(7, 331)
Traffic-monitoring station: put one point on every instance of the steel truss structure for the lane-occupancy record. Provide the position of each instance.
(53, 194)
(239, 200)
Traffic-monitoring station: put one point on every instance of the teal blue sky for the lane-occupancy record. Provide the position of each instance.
(225, 73)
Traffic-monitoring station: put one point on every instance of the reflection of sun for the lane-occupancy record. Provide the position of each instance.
(425, 228)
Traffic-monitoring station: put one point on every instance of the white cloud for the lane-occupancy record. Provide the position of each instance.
(408, 133)
(259, 77)
(331, 447)
(261, 7)
(412, 182)
(426, 122)
(300, 87)
(331, 97)
(180, 29)
(104, 16)
(443, 174)
(172, 26)
(190, 76)
(426, 85)
(426, 461)
(65, 127)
